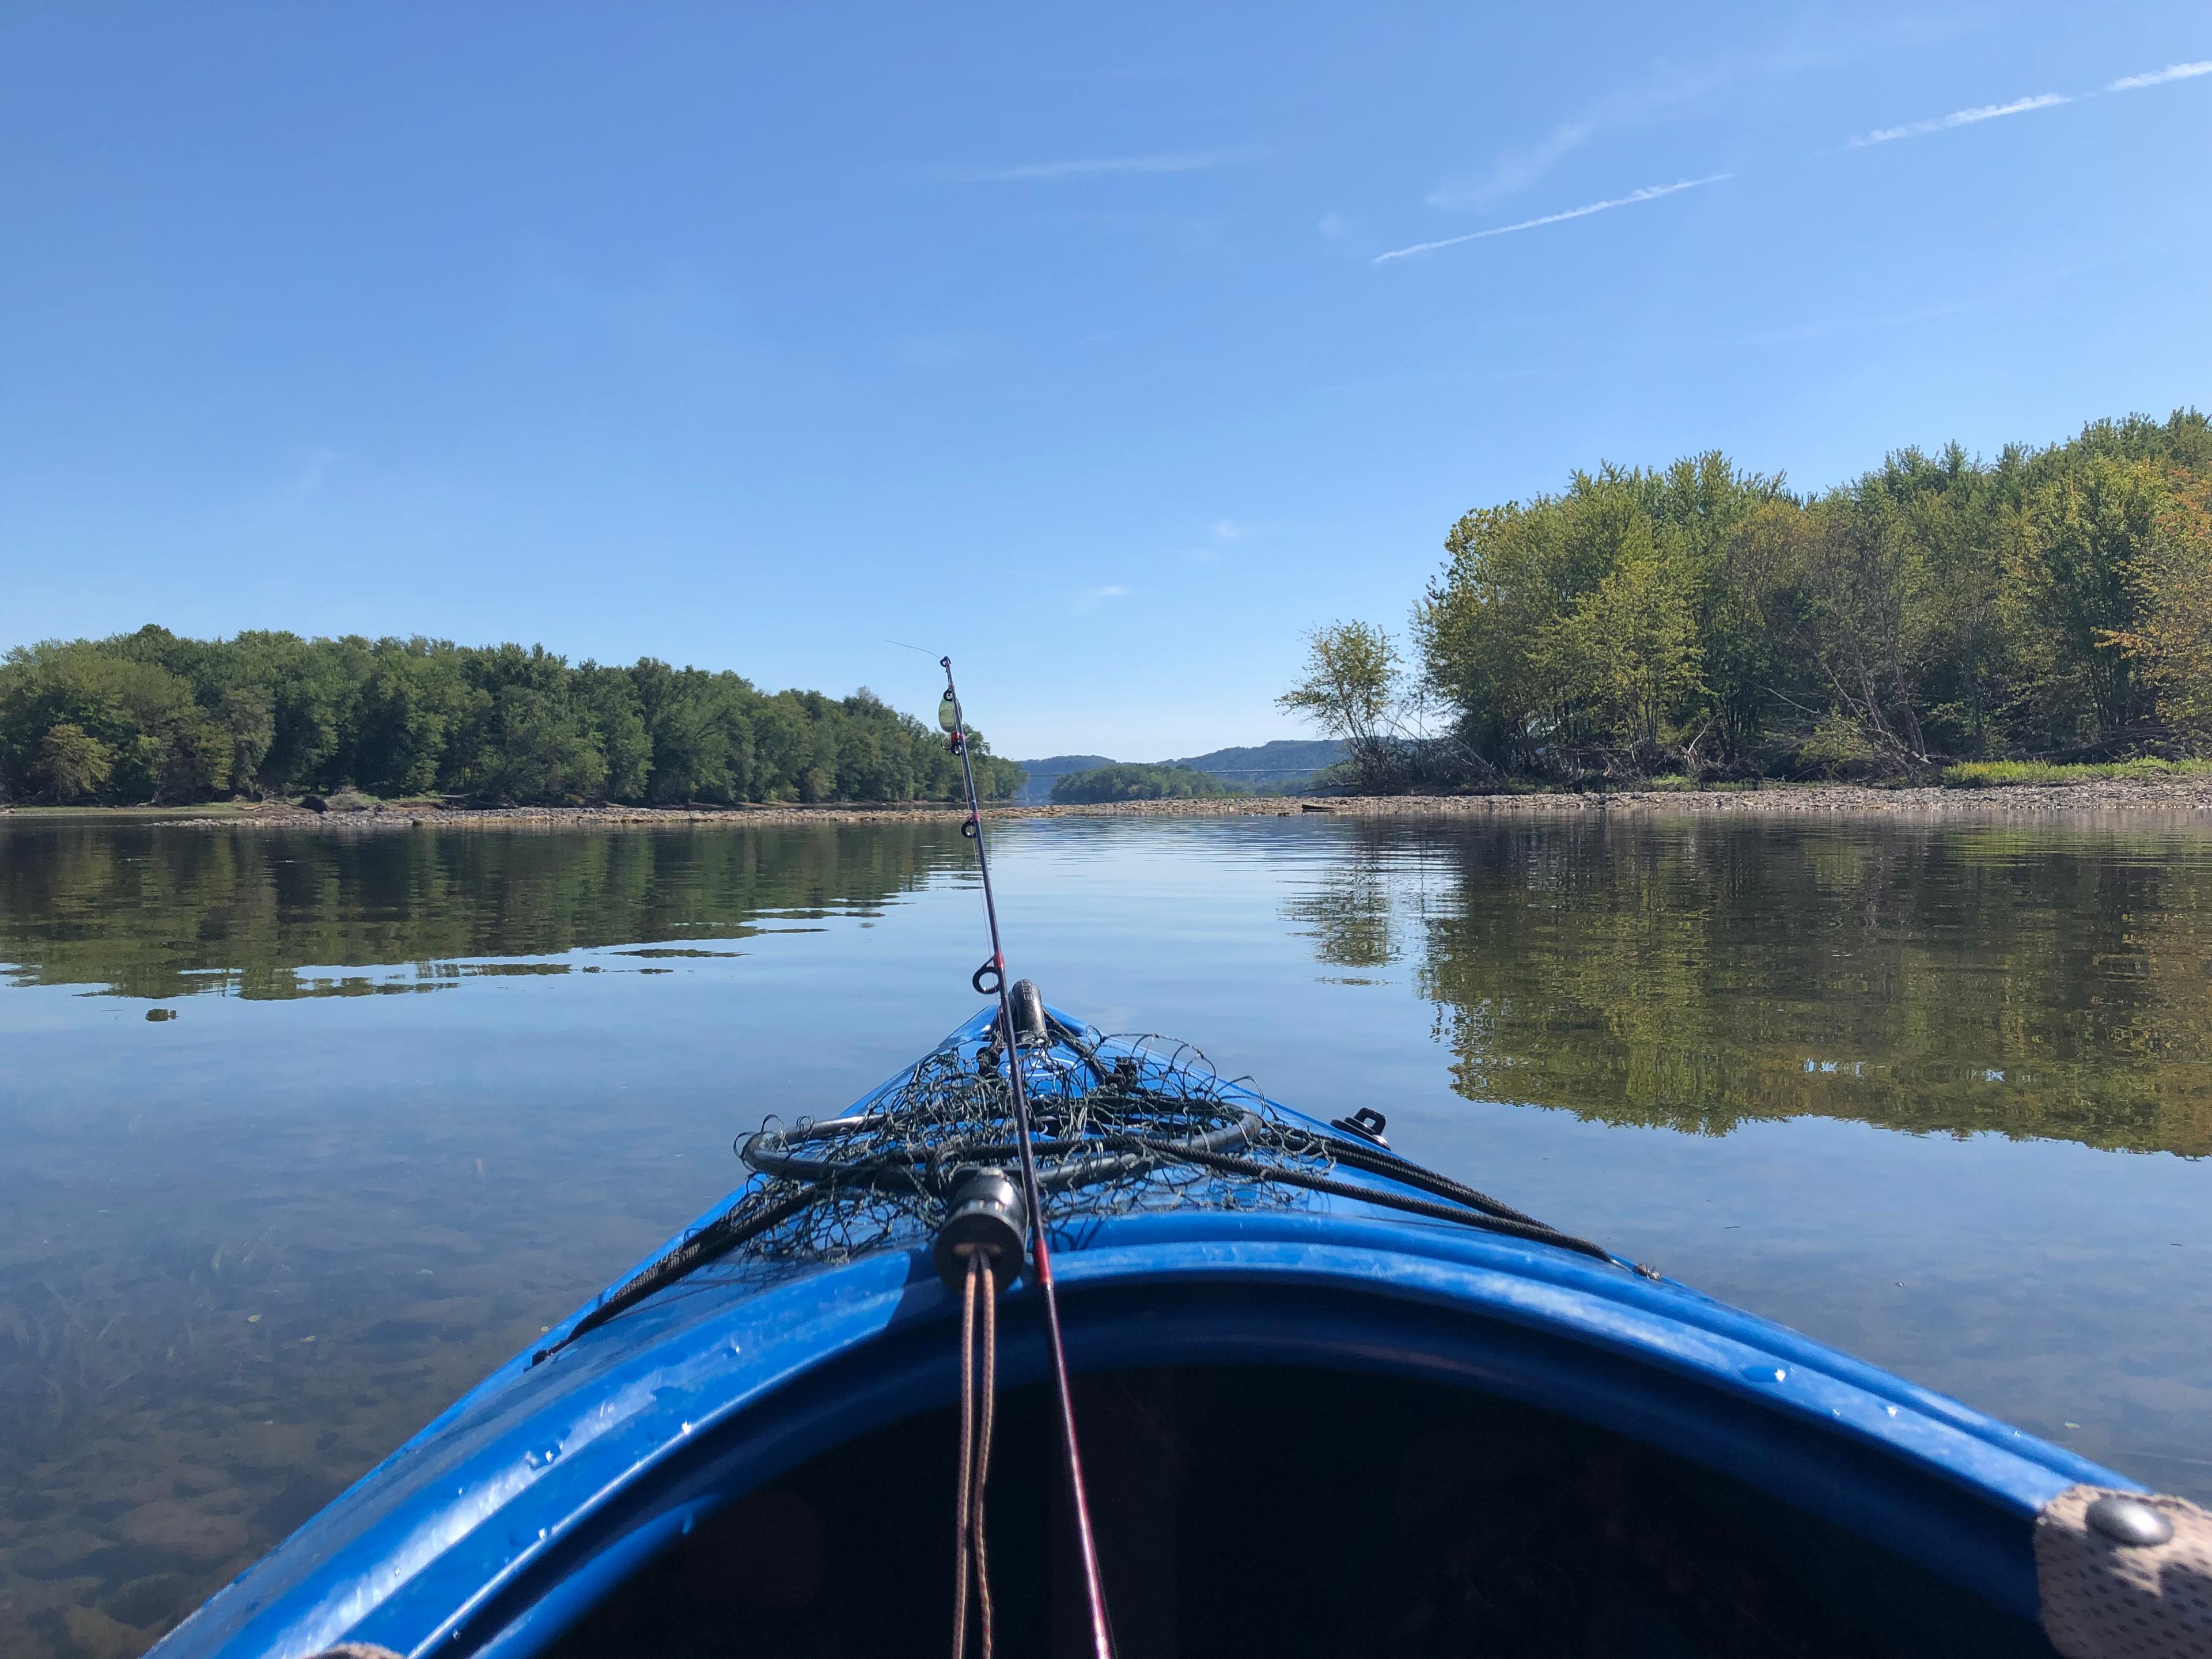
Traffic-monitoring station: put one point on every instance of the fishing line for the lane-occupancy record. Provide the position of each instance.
(949, 716)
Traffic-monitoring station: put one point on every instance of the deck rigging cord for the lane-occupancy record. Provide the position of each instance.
(972, 1562)
(1147, 1126)
(1094, 1589)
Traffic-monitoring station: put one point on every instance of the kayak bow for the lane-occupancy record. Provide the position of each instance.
(1331, 1402)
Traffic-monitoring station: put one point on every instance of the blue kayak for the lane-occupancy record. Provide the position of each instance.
(1330, 1403)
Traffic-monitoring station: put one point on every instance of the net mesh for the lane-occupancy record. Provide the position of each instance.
(1119, 1126)
(1116, 1129)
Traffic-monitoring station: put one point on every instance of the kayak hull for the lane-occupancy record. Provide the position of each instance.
(499, 1526)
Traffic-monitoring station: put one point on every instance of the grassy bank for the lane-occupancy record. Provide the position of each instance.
(2012, 775)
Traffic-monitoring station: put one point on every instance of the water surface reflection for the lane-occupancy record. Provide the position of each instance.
(247, 1250)
(1697, 975)
(152, 910)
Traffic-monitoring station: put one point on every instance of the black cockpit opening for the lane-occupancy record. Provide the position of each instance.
(1297, 1513)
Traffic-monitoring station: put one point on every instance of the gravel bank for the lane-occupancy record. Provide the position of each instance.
(1793, 800)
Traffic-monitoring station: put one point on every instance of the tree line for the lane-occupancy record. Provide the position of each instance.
(151, 718)
(1137, 781)
(2051, 604)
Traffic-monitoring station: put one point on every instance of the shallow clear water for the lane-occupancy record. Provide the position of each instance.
(1937, 1094)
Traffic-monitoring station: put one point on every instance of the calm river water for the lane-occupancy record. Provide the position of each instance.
(304, 1132)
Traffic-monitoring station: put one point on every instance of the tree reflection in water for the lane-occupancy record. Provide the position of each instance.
(169, 910)
(1931, 977)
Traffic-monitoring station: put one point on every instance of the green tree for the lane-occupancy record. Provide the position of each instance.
(413, 701)
(315, 691)
(607, 701)
(1625, 661)
(2172, 640)
(1511, 632)
(1353, 688)
(1853, 627)
(700, 733)
(74, 764)
(244, 720)
(2082, 541)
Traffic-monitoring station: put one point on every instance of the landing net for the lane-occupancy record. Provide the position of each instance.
(1123, 1125)
(1138, 1123)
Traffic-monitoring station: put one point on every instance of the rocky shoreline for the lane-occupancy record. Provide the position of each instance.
(2192, 795)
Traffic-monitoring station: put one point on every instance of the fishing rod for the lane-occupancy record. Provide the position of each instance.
(949, 717)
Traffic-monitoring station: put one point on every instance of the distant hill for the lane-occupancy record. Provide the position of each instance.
(1284, 761)
(1044, 773)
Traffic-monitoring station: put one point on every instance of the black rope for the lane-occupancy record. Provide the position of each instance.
(717, 1238)
(1515, 1227)
(1376, 1161)
(819, 1179)
(917, 1173)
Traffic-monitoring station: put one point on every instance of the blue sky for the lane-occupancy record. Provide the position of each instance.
(1109, 350)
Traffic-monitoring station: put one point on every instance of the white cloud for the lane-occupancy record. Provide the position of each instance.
(1649, 193)
(1679, 90)
(1333, 225)
(1229, 536)
(1961, 117)
(1517, 171)
(1091, 595)
(1106, 167)
(2160, 77)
